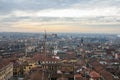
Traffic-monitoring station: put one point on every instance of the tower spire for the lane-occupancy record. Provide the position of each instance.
(44, 46)
(44, 53)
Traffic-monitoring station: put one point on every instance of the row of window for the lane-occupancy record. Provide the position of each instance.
(43, 62)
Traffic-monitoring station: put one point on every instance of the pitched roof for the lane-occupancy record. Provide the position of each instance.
(3, 63)
(42, 57)
(78, 77)
(94, 74)
(106, 75)
(36, 76)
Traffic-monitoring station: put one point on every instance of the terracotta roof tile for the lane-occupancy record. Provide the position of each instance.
(3, 63)
(42, 57)
(106, 75)
(94, 74)
(78, 77)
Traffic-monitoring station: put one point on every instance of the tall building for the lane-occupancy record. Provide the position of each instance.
(81, 42)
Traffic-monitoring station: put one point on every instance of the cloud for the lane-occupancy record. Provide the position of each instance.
(96, 3)
(36, 5)
(33, 5)
(108, 15)
(30, 14)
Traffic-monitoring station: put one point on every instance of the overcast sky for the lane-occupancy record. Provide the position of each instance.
(91, 16)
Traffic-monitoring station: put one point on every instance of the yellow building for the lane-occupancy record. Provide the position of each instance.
(27, 63)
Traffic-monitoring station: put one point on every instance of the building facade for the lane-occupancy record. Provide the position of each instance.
(6, 70)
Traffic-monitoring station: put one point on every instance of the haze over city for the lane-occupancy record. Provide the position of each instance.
(59, 39)
(87, 16)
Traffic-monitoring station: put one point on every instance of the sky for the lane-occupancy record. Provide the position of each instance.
(86, 16)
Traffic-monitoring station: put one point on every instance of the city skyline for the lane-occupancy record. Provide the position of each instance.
(87, 16)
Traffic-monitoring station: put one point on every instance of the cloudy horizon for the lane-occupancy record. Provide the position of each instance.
(88, 16)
